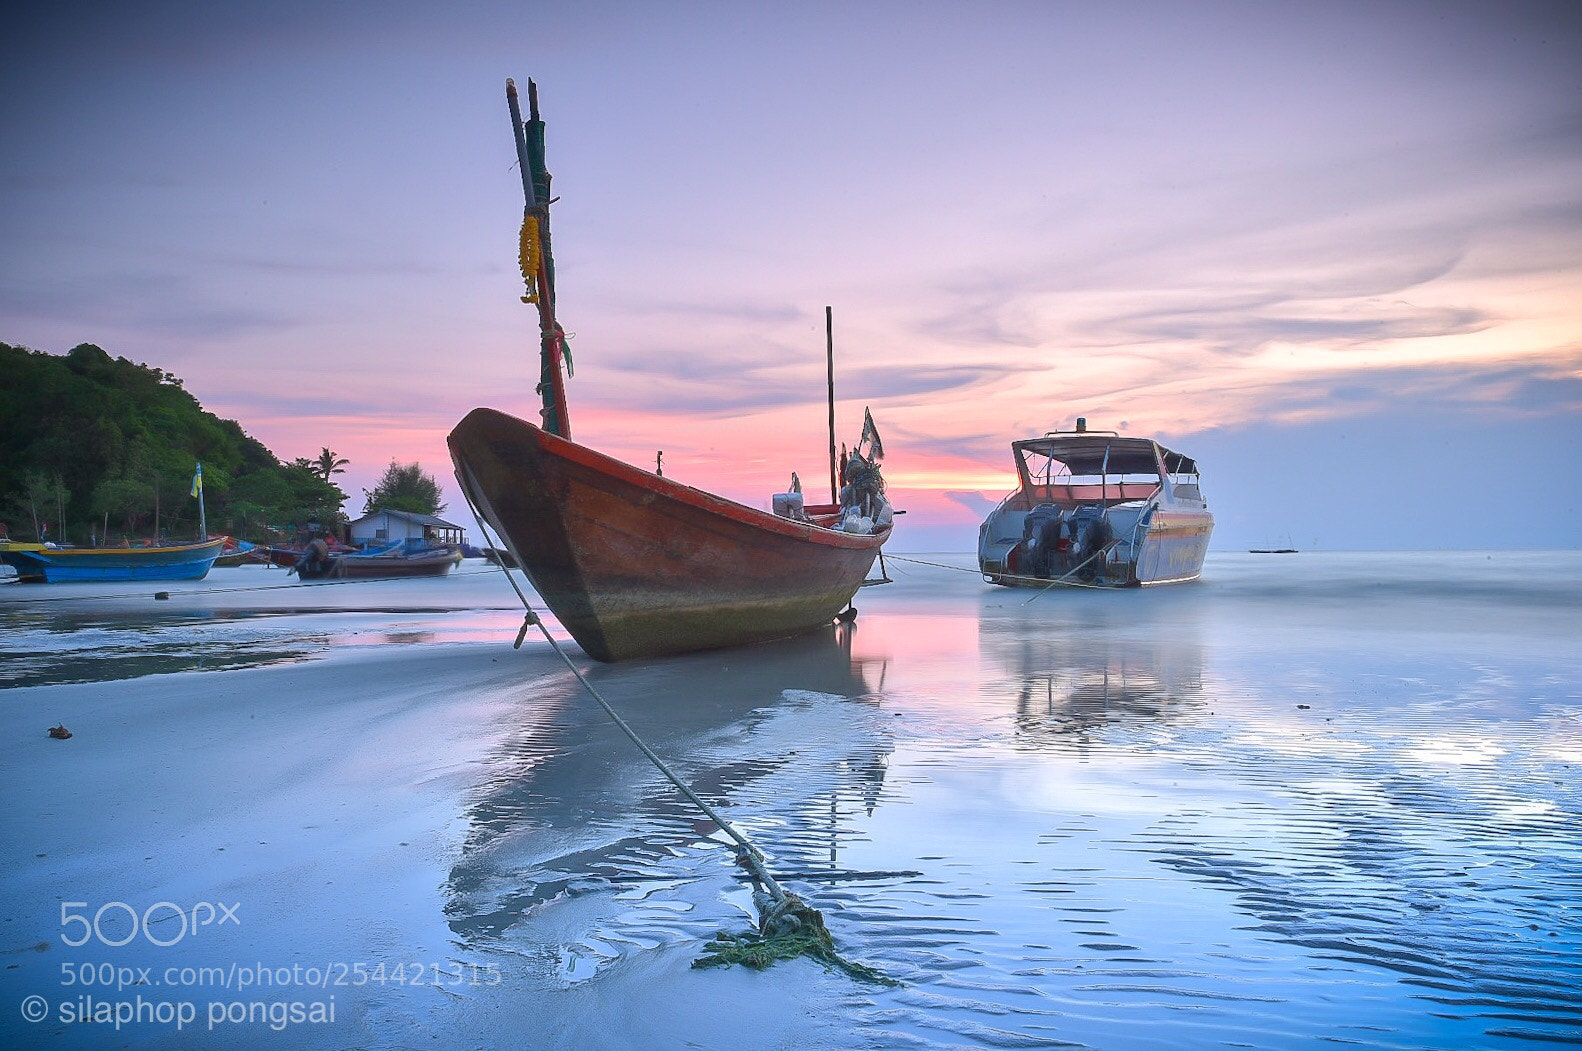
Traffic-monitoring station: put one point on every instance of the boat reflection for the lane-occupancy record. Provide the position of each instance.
(1094, 667)
(782, 737)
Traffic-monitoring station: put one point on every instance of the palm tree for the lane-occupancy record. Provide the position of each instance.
(328, 463)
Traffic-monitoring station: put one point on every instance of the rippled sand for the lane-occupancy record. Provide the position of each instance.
(1313, 799)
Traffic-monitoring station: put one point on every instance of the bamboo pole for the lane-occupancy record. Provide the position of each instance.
(829, 360)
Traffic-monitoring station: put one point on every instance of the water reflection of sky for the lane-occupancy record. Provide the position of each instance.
(1339, 805)
(1305, 802)
(1247, 812)
(39, 647)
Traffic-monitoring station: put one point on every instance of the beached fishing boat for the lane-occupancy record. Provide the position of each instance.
(52, 564)
(8, 572)
(413, 559)
(239, 553)
(634, 564)
(1096, 509)
(60, 564)
(287, 555)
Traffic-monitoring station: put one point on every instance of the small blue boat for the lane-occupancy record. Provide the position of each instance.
(54, 565)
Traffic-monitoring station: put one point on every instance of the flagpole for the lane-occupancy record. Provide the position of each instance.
(829, 359)
(197, 490)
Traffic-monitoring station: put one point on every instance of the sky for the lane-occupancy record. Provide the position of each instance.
(1332, 251)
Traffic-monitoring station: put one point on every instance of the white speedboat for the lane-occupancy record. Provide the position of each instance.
(1096, 509)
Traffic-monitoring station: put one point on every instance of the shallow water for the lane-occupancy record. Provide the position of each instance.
(238, 617)
(1309, 800)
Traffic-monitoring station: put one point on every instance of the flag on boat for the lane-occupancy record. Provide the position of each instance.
(870, 433)
(197, 479)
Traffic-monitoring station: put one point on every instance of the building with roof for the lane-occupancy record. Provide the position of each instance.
(388, 525)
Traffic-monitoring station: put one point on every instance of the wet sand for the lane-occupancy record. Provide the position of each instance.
(1302, 801)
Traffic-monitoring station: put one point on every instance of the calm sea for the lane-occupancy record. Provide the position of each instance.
(1311, 800)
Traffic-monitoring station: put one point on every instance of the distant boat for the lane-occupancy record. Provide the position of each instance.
(53, 565)
(7, 544)
(634, 564)
(285, 556)
(239, 553)
(414, 559)
(499, 557)
(1287, 549)
(1096, 509)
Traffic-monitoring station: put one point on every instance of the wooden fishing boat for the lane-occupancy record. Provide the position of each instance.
(7, 570)
(397, 560)
(287, 555)
(239, 553)
(634, 564)
(637, 565)
(62, 564)
(1095, 509)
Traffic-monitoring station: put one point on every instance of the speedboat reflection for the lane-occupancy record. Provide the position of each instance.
(1079, 671)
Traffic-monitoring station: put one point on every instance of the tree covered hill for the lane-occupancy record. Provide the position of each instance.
(107, 447)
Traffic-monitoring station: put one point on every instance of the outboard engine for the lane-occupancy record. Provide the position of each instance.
(1043, 541)
(1090, 531)
(315, 561)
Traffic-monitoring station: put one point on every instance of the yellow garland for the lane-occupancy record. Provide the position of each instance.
(528, 257)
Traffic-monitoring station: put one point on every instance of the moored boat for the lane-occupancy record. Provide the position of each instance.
(1096, 509)
(634, 564)
(398, 560)
(239, 553)
(500, 557)
(8, 572)
(42, 563)
(637, 565)
(287, 555)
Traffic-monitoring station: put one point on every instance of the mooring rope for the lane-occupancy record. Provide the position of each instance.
(751, 857)
(1064, 578)
(788, 927)
(1061, 581)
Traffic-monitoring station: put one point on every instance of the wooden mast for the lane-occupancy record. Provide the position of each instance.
(529, 138)
(829, 359)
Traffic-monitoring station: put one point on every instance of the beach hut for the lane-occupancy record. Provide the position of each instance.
(386, 526)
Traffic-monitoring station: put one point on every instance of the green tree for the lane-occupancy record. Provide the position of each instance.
(44, 497)
(328, 463)
(127, 502)
(404, 487)
(82, 419)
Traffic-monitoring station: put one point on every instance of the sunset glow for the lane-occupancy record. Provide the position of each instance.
(1234, 228)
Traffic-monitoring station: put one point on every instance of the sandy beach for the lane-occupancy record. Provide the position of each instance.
(1309, 799)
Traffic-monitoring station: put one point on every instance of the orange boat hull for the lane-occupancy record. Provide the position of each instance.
(636, 565)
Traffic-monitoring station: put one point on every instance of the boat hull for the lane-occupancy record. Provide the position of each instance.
(636, 565)
(435, 563)
(106, 564)
(372, 567)
(284, 557)
(1170, 552)
(1174, 548)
